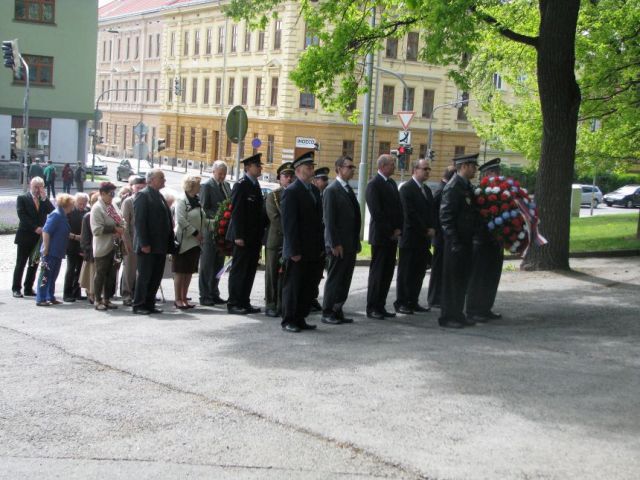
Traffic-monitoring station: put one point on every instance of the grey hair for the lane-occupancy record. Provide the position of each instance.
(385, 159)
(152, 173)
(80, 195)
(37, 181)
(218, 164)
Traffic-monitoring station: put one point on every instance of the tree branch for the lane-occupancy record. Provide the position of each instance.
(504, 31)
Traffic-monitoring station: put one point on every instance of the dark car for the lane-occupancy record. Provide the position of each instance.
(627, 196)
(124, 170)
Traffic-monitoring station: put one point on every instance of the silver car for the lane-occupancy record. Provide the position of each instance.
(590, 192)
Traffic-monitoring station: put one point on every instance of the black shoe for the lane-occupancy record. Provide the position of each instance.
(233, 310)
(141, 311)
(421, 309)
(477, 319)
(403, 309)
(17, 294)
(81, 297)
(69, 299)
(388, 314)
(218, 301)
(270, 312)
(287, 327)
(330, 320)
(435, 305)
(375, 315)
(450, 324)
(155, 310)
(207, 303)
(468, 321)
(43, 304)
(340, 316)
(307, 326)
(492, 315)
(315, 305)
(252, 309)
(29, 293)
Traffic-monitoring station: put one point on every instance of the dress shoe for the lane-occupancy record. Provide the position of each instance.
(270, 312)
(111, 306)
(218, 301)
(127, 303)
(315, 305)
(288, 327)
(450, 324)
(492, 315)
(330, 320)
(403, 309)
(237, 310)
(388, 314)
(421, 309)
(101, 307)
(69, 299)
(81, 297)
(340, 316)
(29, 293)
(307, 326)
(468, 321)
(141, 311)
(435, 305)
(55, 302)
(375, 315)
(252, 309)
(477, 319)
(156, 310)
(207, 303)
(43, 304)
(180, 307)
(17, 294)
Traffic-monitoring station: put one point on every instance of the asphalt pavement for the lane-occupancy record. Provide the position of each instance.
(550, 391)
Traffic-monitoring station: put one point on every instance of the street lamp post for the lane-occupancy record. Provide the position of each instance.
(458, 103)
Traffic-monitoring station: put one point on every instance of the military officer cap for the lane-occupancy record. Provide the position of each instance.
(304, 158)
(473, 158)
(322, 173)
(253, 159)
(286, 167)
(490, 165)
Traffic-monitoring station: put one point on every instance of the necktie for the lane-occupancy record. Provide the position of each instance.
(222, 190)
(36, 201)
(424, 192)
(352, 196)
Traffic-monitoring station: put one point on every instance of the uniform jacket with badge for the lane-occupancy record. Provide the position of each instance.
(385, 208)
(302, 222)
(418, 215)
(247, 215)
(273, 204)
(30, 218)
(341, 218)
(459, 218)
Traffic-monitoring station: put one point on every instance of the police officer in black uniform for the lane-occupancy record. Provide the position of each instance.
(245, 231)
(460, 221)
(488, 255)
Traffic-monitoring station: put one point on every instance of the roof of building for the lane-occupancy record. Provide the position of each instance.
(119, 8)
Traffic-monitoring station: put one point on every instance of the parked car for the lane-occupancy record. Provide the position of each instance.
(588, 194)
(125, 169)
(99, 168)
(627, 196)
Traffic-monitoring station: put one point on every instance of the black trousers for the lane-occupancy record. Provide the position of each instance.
(22, 258)
(297, 290)
(318, 277)
(486, 271)
(435, 279)
(104, 282)
(456, 270)
(211, 262)
(72, 276)
(273, 278)
(242, 274)
(383, 263)
(336, 287)
(150, 269)
(51, 189)
(412, 267)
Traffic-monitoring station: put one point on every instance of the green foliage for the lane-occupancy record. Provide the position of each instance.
(610, 181)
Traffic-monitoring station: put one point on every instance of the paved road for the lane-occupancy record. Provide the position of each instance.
(550, 391)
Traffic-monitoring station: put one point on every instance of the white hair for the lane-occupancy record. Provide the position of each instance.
(80, 195)
(218, 164)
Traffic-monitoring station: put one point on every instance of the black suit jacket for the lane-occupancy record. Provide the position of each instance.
(302, 222)
(418, 214)
(75, 222)
(30, 218)
(152, 218)
(211, 196)
(248, 214)
(459, 218)
(341, 218)
(385, 207)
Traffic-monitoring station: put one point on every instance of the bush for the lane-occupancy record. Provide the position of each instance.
(610, 181)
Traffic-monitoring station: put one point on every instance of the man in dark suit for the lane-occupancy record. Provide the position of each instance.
(303, 245)
(33, 208)
(460, 221)
(341, 214)
(153, 239)
(212, 192)
(486, 270)
(245, 231)
(72, 290)
(415, 242)
(435, 279)
(385, 229)
(275, 239)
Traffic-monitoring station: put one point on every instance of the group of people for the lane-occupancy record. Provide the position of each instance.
(48, 174)
(308, 226)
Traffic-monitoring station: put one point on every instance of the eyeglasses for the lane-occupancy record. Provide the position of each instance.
(350, 167)
(111, 193)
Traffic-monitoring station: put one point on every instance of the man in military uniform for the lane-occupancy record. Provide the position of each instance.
(273, 250)
(320, 180)
(245, 231)
(486, 269)
(459, 220)
(303, 244)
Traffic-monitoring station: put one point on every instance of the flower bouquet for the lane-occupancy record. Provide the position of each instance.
(221, 222)
(510, 214)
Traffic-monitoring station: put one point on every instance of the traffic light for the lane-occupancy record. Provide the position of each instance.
(176, 86)
(162, 144)
(14, 137)
(8, 55)
(402, 150)
(432, 154)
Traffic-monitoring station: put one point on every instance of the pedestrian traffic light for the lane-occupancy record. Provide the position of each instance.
(7, 54)
(14, 137)
(432, 154)
(402, 150)
(176, 86)
(162, 144)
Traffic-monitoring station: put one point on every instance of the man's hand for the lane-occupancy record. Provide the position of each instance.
(338, 251)
(431, 232)
(146, 249)
(296, 258)
(39, 230)
(119, 231)
(396, 234)
(239, 242)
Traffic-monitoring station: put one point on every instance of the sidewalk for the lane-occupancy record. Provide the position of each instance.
(549, 391)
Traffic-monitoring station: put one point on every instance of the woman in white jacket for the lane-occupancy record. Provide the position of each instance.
(191, 225)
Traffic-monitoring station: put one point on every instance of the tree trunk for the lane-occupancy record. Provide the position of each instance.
(560, 102)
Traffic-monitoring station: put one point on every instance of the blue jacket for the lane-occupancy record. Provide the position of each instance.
(57, 226)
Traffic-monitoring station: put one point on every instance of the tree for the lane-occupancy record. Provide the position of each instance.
(542, 29)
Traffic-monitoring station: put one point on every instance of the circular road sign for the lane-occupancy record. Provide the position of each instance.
(237, 124)
(256, 143)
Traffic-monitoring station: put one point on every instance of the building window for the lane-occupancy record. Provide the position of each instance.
(458, 150)
(232, 87)
(388, 92)
(135, 91)
(133, 136)
(218, 91)
(203, 141)
(126, 90)
(423, 151)
(118, 49)
(412, 45)
(274, 91)
(392, 48)
(150, 46)
(181, 141)
(185, 46)
(148, 89)
(192, 140)
(245, 91)
(261, 40)
(40, 70)
(137, 50)
(310, 37)
(428, 97)
(194, 90)
(167, 136)
(42, 11)
(228, 149)
(205, 98)
(348, 148)
(128, 48)
(207, 48)
(384, 148)
(220, 39)
(110, 45)
(497, 81)
(124, 138)
(234, 39)
(407, 103)
(196, 43)
(277, 37)
(157, 45)
(155, 90)
(247, 39)
(307, 100)
(462, 111)
(183, 89)
(117, 85)
(172, 46)
(258, 91)
(104, 51)
(115, 133)
(271, 146)
(170, 90)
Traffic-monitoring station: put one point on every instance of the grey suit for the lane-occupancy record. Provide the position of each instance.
(273, 251)
(211, 259)
(342, 222)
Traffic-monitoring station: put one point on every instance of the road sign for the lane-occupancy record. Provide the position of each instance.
(256, 142)
(404, 137)
(306, 142)
(140, 129)
(237, 124)
(140, 150)
(405, 118)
